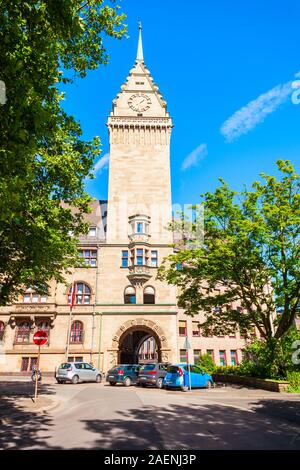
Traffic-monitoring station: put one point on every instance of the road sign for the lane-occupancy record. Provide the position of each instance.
(187, 344)
(40, 337)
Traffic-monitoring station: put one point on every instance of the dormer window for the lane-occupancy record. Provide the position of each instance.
(92, 232)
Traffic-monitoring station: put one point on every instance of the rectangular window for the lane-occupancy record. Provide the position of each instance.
(139, 257)
(139, 227)
(89, 256)
(75, 359)
(182, 355)
(124, 258)
(22, 335)
(197, 354)
(154, 259)
(195, 328)
(92, 232)
(24, 364)
(211, 353)
(233, 357)
(182, 328)
(222, 357)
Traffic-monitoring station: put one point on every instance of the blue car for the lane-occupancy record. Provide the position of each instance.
(178, 377)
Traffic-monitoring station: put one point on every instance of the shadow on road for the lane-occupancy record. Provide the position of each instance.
(19, 427)
(197, 427)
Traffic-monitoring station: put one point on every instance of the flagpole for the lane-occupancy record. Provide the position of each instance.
(70, 320)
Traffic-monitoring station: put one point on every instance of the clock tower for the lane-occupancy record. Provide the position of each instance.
(134, 304)
(139, 174)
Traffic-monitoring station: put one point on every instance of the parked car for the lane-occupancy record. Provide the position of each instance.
(178, 377)
(77, 372)
(152, 374)
(126, 374)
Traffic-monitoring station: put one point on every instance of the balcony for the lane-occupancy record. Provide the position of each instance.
(138, 274)
(139, 238)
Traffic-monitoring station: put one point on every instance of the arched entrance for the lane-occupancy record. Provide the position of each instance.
(131, 336)
(131, 344)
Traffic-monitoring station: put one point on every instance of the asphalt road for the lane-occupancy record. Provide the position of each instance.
(98, 416)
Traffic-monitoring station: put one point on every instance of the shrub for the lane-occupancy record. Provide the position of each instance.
(293, 378)
(230, 370)
(272, 359)
(206, 363)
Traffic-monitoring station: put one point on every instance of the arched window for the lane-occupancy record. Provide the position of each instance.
(82, 294)
(2, 328)
(77, 332)
(149, 295)
(129, 295)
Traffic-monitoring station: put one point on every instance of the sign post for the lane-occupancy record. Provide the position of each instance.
(187, 346)
(39, 338)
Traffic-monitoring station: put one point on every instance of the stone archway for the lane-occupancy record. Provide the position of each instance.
(138, 329)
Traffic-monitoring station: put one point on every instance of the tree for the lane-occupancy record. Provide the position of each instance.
(44, 160)
(250, 256)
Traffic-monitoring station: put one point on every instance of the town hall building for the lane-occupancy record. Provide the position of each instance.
(121, 313)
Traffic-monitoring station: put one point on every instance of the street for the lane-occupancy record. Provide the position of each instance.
(98, 416)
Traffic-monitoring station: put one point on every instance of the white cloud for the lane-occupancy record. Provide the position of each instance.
(102, 164)
(194, 157)
(256, 111)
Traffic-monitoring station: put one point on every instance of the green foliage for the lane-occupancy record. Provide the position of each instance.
(44, 161)
(250, 257)
(231, 370)
(294, 382)
(271, 359)
(206, 363)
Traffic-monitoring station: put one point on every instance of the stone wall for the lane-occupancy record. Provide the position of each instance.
(265, 384)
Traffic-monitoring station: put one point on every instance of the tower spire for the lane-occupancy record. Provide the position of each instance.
(140, 55)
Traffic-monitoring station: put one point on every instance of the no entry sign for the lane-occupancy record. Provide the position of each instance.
(40, 337)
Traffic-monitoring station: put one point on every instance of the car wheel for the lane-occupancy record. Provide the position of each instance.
(127, 382)
(208, 384)
(112, 383)
(75, 379)
(159, 383)
(143, 385)
(98, 379)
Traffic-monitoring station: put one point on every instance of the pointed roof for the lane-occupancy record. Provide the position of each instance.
(140, 55)
(139, 82)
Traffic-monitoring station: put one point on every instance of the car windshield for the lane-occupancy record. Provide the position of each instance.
(148, 367)
(65, 365)
(173, 369)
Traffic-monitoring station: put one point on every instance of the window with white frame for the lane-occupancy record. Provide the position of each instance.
(139, 224)
(154, 263)
(92, 232)
(89, 256)
(31, 296)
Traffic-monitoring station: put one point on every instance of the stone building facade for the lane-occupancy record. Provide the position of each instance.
(122, 313)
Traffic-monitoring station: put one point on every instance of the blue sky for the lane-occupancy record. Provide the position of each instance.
(225, 68)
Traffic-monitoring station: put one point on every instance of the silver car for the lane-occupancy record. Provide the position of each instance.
(77, 372)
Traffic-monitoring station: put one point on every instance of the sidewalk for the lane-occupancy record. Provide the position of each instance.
(17, 396)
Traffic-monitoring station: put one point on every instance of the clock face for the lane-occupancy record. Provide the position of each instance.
(139, 102)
